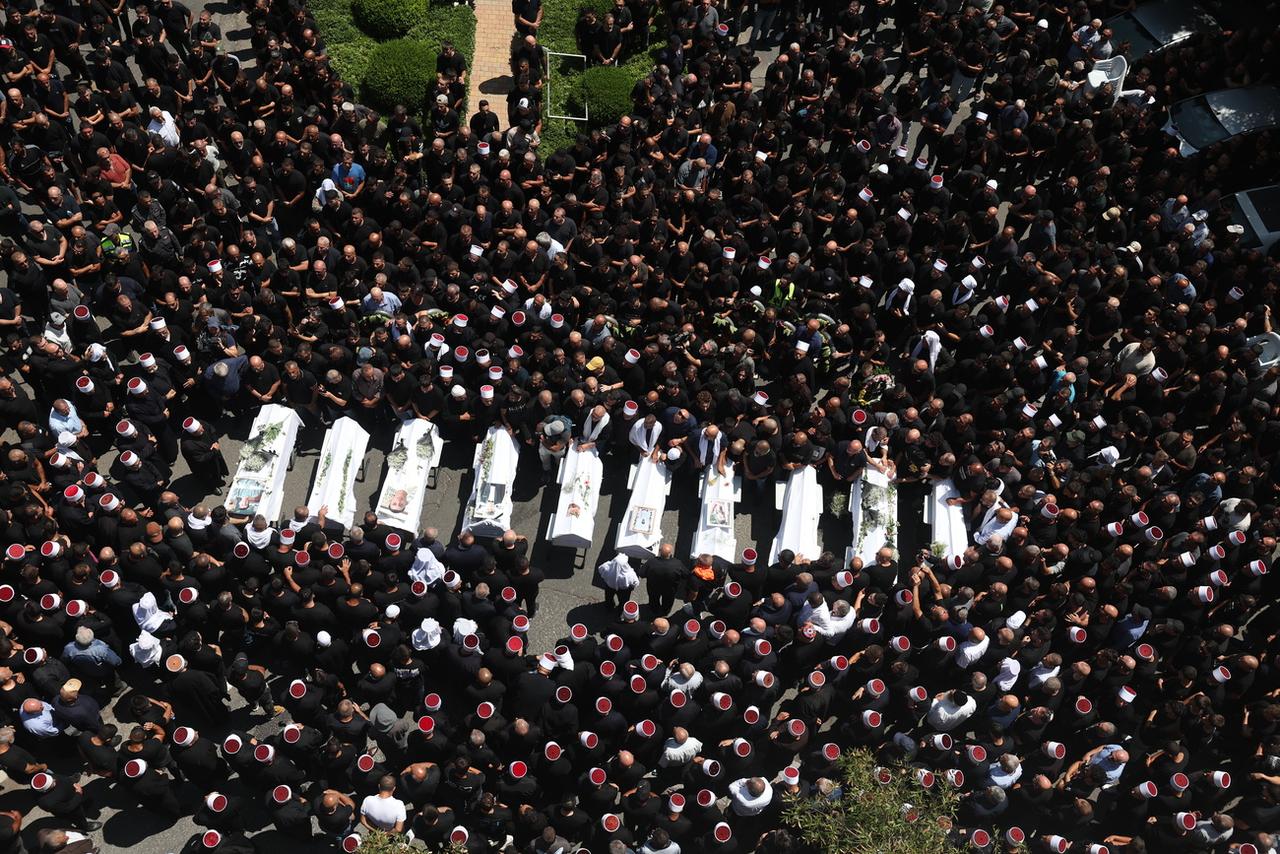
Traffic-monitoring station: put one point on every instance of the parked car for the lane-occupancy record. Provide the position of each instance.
(1155, 26)
(1256, 213)
(1213, 117)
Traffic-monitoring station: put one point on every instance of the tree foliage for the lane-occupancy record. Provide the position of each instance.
(379, 842)
(400, 72)
(875, 810)
(388, 19)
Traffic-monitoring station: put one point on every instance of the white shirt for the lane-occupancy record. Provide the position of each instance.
(944, 715)
(1010, 670)
(384, 813)
(744, 803)
(968, 652)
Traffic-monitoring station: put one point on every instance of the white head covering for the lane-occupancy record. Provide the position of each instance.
(463, 627)
(258, 539)
(617, 573)
(930, 341)
(426, 568)
(427, 635)
(148, 614)
(146, 649)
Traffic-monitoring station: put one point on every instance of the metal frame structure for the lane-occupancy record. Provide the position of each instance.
(586, 114)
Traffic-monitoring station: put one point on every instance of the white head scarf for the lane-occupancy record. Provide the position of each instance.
(146, 649)
(426, 568)
(427, 635)
(148, 614)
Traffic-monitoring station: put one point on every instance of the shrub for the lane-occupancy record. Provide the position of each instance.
(892, 815)
(560, 21)
(400, 72)
(387, 19)
(607, 93)
(347, 45)
(453, 24)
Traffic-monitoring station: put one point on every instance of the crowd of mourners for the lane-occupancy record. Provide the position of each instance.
(918, 240)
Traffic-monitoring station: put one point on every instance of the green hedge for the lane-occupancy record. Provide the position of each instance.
(454, 24)
(560, 19)
(388, 19)
(347, 45)
(606, 90)
(349, 29)
(400, 72)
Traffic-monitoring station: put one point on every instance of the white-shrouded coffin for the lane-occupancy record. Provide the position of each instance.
(488, 512)
(574, 521)
(415, 453)
(873, 504)
(341, 456)
(801, 507)
(715, 534)
(945, 521)
(640, 531)
(258, 485)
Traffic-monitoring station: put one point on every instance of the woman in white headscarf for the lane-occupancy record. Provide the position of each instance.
(146, 650)
(427, 635)
(148, 615)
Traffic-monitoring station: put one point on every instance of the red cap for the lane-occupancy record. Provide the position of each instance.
(723, 833)
(597, 776)
(281, 794)
(604, 705)
(485, 710)
(646, 728)
(365, 763)
(517, 770)
(426, 724)
(212, 839)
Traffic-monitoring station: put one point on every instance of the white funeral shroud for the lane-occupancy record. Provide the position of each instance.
(801, 507)
(715, 534)
(574, 521)
(341, 457)
(415, 453)
(488, 512)
(640, 531)
(258, 485)
(880, 513)
(947, 522)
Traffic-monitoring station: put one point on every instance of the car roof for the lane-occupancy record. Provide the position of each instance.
(1245, 109)
(1172, 20)
(1266, 202)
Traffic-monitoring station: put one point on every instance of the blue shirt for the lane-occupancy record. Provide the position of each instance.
(348, 178)
(69, 423)
(389, 304)
(97, 652)
(1102, 759)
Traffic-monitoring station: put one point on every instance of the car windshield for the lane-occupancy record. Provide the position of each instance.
(1197, 123)
(1267, 204)
(1249, 239)
(1127, 28)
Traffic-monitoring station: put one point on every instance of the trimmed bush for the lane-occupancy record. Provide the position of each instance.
(400, 72)
(560, 21)
(347, 45)
(453, 24)
(387, 19)
(607, 92)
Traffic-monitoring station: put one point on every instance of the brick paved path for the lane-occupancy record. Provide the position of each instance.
(491, 74)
